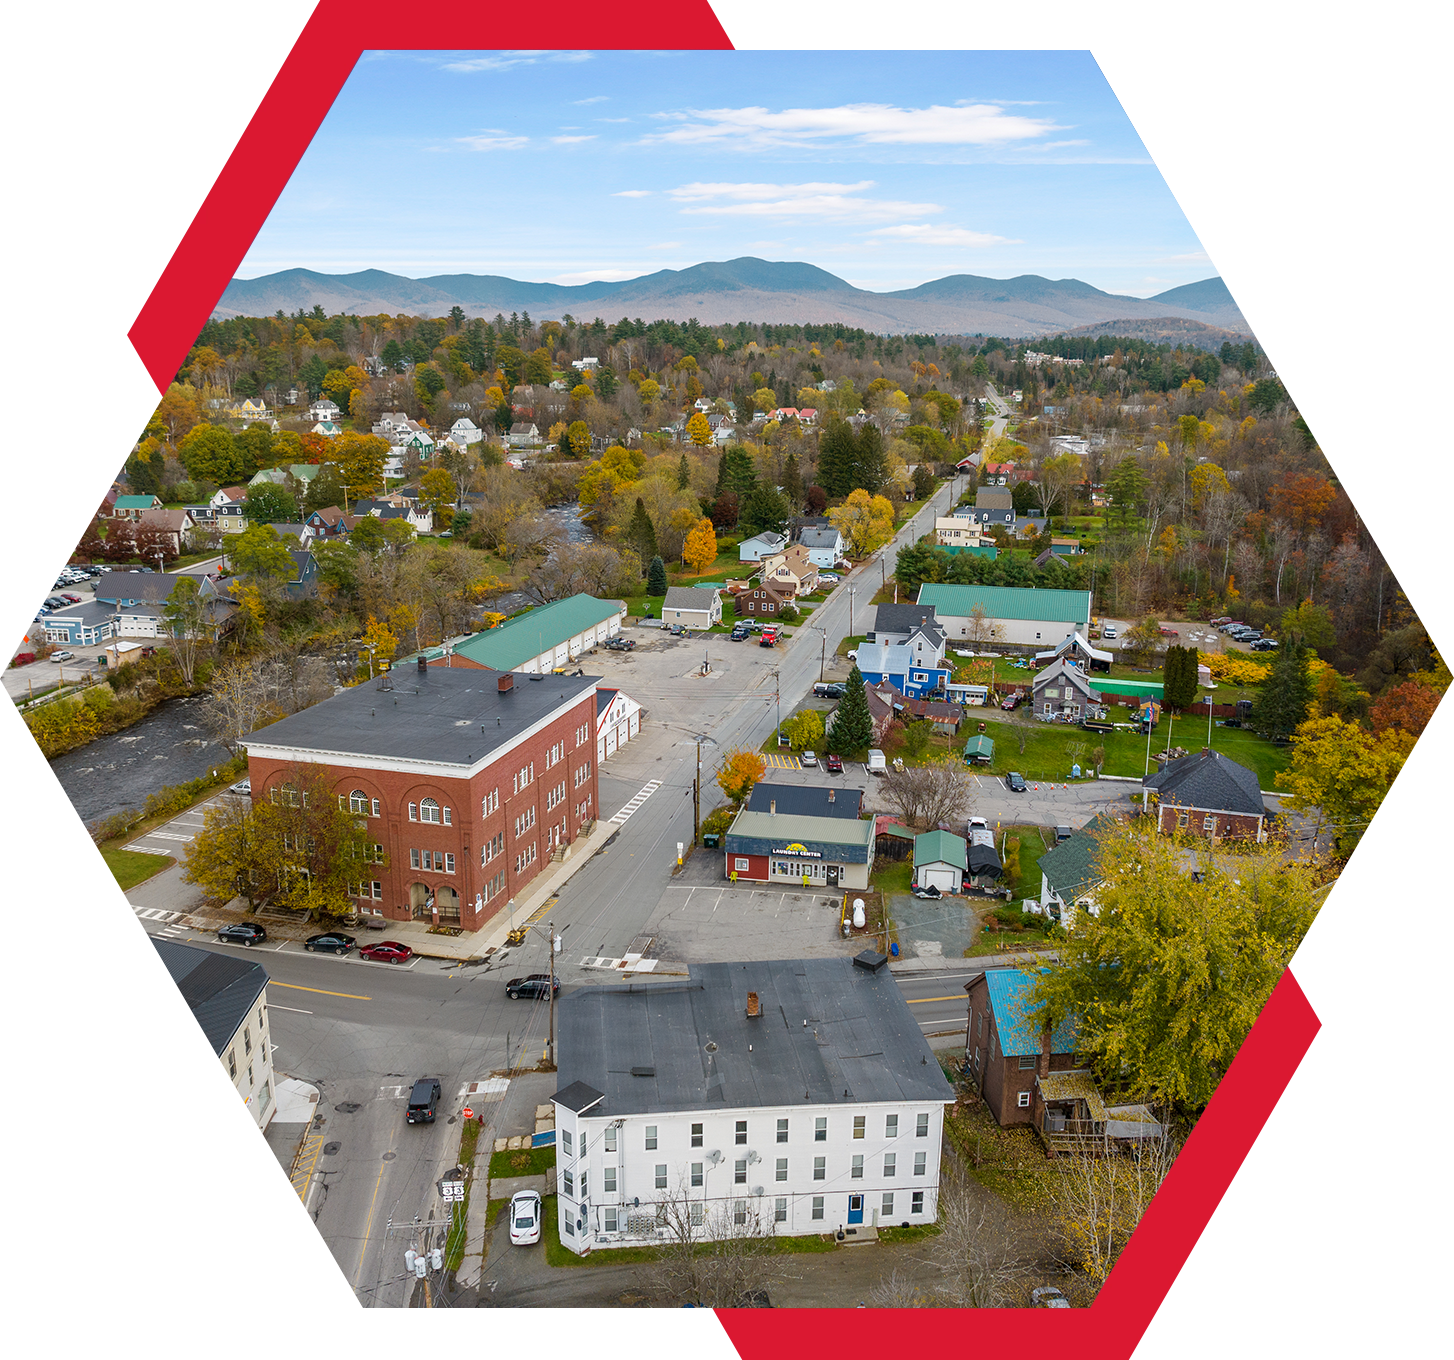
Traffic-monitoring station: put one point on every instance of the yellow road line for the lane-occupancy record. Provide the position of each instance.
(273, 982)
(305, 1164)
(369, 1224)
(921, 1000)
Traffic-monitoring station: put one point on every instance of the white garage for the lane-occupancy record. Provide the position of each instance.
(618, 719)
(940, 861)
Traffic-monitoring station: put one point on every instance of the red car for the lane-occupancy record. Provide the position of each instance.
(74, 599)
(1010, 701)
(833, 764)
(386, 951)
(1168, 632)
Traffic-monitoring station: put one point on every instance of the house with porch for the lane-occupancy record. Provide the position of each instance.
(792, 570)
(825, 546)
(994, 505)
(1063, 693)
(765, 544)
(523, 433)
(1069, 879)
(898, 665)
(759, 602)
(133, 507)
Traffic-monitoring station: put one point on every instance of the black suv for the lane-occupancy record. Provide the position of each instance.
(534, 986)
(1015, 782)
(829, 691)
(422, 1100)
(241, 932)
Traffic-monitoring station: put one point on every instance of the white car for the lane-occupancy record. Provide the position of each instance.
(829, 577)
(58, 657)
(524, 1218)
(1109, 631)
(809, 758)
(853, 655)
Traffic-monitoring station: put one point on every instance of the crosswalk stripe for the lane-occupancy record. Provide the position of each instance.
(646, 791)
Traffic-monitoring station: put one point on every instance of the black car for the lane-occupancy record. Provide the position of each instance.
(1015, 782)
(829, 691)
(534, 986)
(423, 1097)
(1264, 644)
(55, 602)
(620, 644)
(241, 932)
(331, 942)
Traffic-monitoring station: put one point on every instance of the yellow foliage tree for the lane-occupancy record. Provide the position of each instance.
(740, 771)
(867, 522)
(699, 431)
(700, 549)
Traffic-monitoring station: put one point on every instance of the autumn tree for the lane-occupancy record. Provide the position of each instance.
(377, 647)
(925, 795)
(740, 770)
(437, 490)
(866, 522)
(700, 549)
(699, 431)
(1306, 625)
(804, 730)
(259, 552)
(1164, 983)
(268, 503)
(1342, 772)
(640, 533)
(209, 453)
(1408, 707)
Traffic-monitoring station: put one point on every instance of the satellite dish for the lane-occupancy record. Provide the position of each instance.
(757, 1189)
(714, 1156)
(752, 1156)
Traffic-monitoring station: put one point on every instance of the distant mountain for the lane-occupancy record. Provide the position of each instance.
(1169, 329)
(745, 289)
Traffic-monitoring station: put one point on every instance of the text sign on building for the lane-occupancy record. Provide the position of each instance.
(800, 850)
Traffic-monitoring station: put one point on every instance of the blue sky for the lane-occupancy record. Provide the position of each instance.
(885, 168)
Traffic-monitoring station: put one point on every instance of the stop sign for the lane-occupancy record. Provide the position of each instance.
(467, 1112)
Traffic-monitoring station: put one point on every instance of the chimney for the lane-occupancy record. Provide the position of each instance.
(832, 795)
(423, 665)
(772, 807)
(754, 1006)
(506, 682)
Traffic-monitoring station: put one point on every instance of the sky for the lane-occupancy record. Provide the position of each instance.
(886, 168)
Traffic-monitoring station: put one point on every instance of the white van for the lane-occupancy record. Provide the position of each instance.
(876, 763)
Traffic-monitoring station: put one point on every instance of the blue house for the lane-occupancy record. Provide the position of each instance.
(914, 677)
(82, 625)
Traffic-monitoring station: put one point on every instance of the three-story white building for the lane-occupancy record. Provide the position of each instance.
(799, 1095)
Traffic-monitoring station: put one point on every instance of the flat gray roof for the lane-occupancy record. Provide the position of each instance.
(667, 1046)
(221, 989)
(441, 714)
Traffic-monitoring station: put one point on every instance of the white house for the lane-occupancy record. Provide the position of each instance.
(789, 1097)
(1069, 877)
(323, 409)
(692, 606)
(1018, 615)
(825, 546)
(764, 545)
(327, 429)
(618, 719)
(585, 365)
(524, 432)
(465, 432)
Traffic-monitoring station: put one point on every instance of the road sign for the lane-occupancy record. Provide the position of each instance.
(467, 1112)
(451, 1191)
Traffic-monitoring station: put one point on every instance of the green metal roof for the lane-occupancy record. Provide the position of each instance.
(1070, 866)
(1135, 689)
(980, 746)
(1009, 602)
(940, 847)
(135, 502)
(528, 635)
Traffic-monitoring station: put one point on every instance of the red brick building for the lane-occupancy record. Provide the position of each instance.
(1206, 795)
(1005, 1051)
(469, 779)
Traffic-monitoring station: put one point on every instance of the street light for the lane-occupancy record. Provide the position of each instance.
(851, 593)
(823, 659)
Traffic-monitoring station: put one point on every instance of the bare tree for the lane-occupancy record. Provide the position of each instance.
(925, 795)
(1099, 1200)
(241, 699)
(717, 1254)
(982, 630)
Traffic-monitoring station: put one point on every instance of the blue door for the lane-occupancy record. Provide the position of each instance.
(855, 1209)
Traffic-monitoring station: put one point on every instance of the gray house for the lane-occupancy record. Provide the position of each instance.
(692, 606)
(994, 505)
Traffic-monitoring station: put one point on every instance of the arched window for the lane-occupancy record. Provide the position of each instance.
(287, 795)
(428, 810)
(358, 803)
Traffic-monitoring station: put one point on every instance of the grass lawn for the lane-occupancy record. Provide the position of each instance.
(119, 870)
(894, 876)
(849, 643)
(1051, 748)
(523, 1162)
(1011, 1162)
(1032, 845)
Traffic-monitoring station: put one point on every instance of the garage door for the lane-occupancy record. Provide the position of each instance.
(937, 876)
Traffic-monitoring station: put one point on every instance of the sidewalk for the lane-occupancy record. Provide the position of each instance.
(907, 967)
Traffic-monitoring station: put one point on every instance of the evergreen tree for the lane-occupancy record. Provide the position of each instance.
(1283, 704)
(640, 533)
(684, 474)
(837, 456)
(764, 508)
(793, 481)
(870, 466)
(736, 471)
(852, 723)
(656, 577)
(1179, 677)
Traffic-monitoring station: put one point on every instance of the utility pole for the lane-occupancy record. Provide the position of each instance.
(550, 1043)
(345, 498)
(697, 799)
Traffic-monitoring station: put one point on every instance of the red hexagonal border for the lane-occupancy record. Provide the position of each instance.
(208, 234)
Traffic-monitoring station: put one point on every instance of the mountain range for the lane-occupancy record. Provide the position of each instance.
(747, 289)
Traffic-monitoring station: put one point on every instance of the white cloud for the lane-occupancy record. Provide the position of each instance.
(613, 120)
(505, 61)
(568, 141)
(1192, 257)
(594, 99)
(929, 234)
(863, 124)
(632, 193)
(816, 199)
(494, 139)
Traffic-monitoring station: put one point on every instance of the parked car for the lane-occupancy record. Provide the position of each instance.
(621, 644)
(926, 894)
(1220, 620)
(422, 1099)
(853, 655)
(822, 691)
(1167, 632)
(243, 786)
(524, 1218)
(741, 631)
(830, 577)
(1010, 701)
(809, 759)
(386, 951)
(71, 599)
(533, 986)
(330, 942)
(55, 602)
(1015, 782)
(1109, 631)
(833, 764)
(58, 657)
(768, 640)
(1264, 644)
(241, 932)
(1048, 1296)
